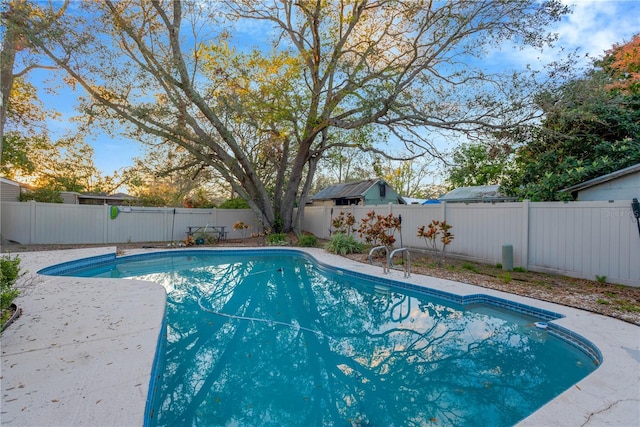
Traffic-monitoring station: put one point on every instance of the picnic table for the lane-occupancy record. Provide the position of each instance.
(217, 231)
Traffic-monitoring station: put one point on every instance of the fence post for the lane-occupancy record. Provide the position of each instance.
(165, 225)
(525, 234)
(33, 207)
(106, 217)
(323, 222)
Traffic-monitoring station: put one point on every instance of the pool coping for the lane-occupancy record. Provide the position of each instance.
(91, 364)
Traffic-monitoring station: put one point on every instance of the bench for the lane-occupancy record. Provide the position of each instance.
(216, 231)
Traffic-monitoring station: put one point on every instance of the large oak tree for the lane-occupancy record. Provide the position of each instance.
(413, 68)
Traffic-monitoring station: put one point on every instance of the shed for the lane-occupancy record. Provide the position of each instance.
(623, 184)
(9, 190)
(363, 193)
(476, 194)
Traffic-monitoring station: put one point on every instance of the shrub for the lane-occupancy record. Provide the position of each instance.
(236, 203)
(308, 241)
(378, 229)
(277, 239)
(471, 267)
(9, 274)
(341, 244)
(505, 277)
(432, 231)
(42, 195)
(344, 223)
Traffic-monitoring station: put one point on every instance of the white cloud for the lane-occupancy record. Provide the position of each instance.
(596, 25)
(593, 28)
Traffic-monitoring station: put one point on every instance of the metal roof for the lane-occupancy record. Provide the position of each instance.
(603, 178)
(478, 193)
(345, 190)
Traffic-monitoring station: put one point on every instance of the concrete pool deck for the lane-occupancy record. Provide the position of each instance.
(83, 349)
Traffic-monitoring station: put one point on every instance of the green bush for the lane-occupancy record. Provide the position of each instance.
(236, 203)
(9, 274)
(42, 195)
(277, 239)
(308, 241)
(342, 244)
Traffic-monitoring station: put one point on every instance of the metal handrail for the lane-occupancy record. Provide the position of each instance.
(384, 265)
(406, 267)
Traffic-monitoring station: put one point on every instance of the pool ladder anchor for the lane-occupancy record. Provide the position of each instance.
(384, 265)
(388, 264)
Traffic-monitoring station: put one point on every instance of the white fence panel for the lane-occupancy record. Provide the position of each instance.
(228, 217)
(139, 225)
(60, 223)
(480, 230)
(48, 223)
(413, 217)
(317, 220)
(582, 239)
(586, 239)
(16, 221)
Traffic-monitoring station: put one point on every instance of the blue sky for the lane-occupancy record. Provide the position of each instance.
(593, 28)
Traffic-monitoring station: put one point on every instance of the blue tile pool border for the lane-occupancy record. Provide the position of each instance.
(69, 266)
(566, 335)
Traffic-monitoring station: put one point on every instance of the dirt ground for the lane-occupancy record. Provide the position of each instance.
(618, 301)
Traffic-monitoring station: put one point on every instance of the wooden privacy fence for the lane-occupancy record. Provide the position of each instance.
(50, 223)
(581, 239)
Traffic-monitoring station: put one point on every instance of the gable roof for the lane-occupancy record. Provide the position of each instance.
(604, 178)
(345, 190)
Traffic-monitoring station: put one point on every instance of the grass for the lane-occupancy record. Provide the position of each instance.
(471, 267)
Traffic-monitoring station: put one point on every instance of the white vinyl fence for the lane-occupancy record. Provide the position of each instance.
(50, 223)
(581, 239)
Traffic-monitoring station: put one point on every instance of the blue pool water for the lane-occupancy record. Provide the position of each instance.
(274, 339)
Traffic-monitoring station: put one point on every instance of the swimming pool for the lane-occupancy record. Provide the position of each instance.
(314, 346)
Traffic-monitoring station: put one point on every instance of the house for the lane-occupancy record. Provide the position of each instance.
(75, 198)
(363, 193)
(476, 194)
(9, 190)
(623, 184)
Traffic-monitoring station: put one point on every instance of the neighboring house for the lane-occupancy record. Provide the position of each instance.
(71, 197)
(363, 193)
(476, 194)
(623, 184)
(9, 190)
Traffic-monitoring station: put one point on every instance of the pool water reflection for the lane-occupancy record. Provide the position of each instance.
(276, 340)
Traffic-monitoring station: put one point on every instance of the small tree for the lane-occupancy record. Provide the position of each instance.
(379, 230)
(431, 232)
(344, 223)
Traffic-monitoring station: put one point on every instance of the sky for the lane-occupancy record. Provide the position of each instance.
(593, 28)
